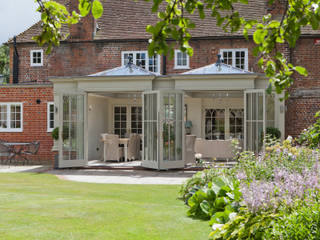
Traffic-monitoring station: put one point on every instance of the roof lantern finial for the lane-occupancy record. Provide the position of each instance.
(219, 61)
(130, 61)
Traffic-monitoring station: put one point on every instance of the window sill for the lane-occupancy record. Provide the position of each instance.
(36, 65)
(181, 68)
(10, 130)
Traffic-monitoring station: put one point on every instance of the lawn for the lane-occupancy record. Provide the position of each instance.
(40, 206)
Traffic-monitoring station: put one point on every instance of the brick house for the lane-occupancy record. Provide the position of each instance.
(33, 101)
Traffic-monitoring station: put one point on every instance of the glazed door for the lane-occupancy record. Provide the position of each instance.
(172, 129)
(71, 130)
(255, 119)
(163, 129)
(150, 129)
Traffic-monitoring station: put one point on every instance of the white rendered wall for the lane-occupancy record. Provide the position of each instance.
(97, 124)
(196, 108)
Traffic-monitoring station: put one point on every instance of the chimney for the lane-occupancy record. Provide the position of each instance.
(277, 8)
(84, 29)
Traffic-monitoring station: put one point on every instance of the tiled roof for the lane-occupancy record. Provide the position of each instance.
(127, 19)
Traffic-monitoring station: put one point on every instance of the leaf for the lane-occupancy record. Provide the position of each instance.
(97, 9)
(301, 70)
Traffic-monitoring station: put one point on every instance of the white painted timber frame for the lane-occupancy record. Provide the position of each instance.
(147, 59)
(176, 66)
(32, 64)
(9, 129)
(234, 50)
(75, 162)
(247, 92)
(49, 129)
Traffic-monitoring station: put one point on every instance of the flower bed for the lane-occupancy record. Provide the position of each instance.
(271, 196)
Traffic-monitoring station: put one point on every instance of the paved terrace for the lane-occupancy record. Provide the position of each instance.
(107, 176)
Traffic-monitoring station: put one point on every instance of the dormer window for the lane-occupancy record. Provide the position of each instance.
(142, 59)
(36, 58)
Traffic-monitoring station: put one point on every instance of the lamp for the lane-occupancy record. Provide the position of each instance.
(188, 126)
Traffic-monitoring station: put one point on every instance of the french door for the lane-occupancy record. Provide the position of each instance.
(163, 129)
(255, 119)
(71, 130)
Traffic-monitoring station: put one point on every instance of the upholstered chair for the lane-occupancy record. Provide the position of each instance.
(190, 149)
(134, 147)
(111, 149)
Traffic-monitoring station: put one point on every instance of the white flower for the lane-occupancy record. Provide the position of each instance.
(289, 138)
(217, 226)
(232, 215)
(198, 155)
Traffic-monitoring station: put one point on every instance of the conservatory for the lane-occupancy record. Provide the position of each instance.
(214, 104)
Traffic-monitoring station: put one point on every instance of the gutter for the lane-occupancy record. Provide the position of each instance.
(15, 73)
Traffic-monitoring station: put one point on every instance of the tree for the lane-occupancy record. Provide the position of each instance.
(174, 23)
(4, 62)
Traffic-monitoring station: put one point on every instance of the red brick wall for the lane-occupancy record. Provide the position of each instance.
(34, 117)
(83, 58)
(300, 114)
(301, 109)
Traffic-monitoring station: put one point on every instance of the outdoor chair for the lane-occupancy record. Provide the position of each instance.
(31, 149)
(190, 149)
(7, 152)
(134, 147)
(111, 149)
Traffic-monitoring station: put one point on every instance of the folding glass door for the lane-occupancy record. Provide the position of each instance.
(71, 130)
(163, 129)
(259, 114)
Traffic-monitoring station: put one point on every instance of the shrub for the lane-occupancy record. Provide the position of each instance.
(273, 132)
(311, 136)
(303, 223)
(216, 201)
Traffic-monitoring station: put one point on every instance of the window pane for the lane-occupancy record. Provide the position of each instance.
(236, 123)
(214, 124)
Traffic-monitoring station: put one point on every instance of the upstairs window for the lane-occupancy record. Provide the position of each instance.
(141, 58)
(10, 117)
(237, 57)
(181, 60)
(50, 116)
(36, 58)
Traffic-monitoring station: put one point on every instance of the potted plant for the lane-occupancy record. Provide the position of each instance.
(55, 137)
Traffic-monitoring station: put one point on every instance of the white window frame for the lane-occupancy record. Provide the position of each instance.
(134, 59)
(49, 129)
(234, 50)
(32, 64)
(128, 115)
(176, 66)
(9, 129)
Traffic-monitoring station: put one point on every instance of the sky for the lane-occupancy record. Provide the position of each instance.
(16, 16)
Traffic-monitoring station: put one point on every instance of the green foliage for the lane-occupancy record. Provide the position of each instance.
(245, 225)
(55, 134)
(216, 201)
(273, 132)
(311, 136)
(302, 223)
(4, 62)
(197, 181)
(54, 15)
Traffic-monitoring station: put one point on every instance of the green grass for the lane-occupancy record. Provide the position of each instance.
(40, 206)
